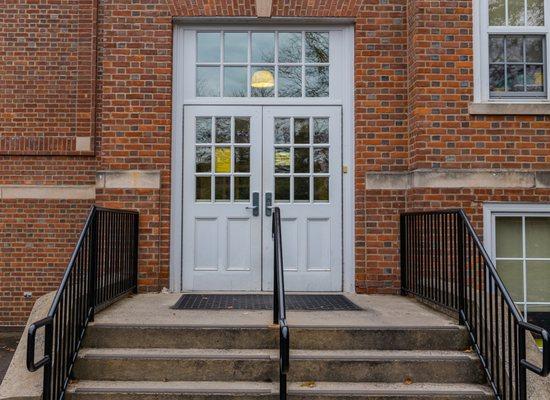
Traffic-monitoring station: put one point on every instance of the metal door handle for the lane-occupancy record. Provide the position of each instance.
(268, 204)
(255, 204)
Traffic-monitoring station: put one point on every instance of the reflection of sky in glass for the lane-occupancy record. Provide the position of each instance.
(263, 47)
(208, 81)
(208, 47)
(235, 47)
(234, 82)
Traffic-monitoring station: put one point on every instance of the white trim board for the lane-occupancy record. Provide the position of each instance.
(345, 99)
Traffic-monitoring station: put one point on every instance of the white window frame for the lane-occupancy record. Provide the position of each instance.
(481, 33)
(493, 210)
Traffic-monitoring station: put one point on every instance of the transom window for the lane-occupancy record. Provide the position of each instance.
(262, 64)
(514, 49)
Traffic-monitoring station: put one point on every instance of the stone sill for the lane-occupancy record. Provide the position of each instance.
(509, 108)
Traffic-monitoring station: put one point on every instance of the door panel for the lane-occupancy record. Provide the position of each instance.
(222, 168)
(302, 168)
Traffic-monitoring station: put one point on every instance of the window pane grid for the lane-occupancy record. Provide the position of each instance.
(517, 66)
(525, 263)
(301, 167)
(222, 161)
(297, 70)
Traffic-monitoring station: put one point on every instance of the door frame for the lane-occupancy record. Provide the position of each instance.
(345, 100)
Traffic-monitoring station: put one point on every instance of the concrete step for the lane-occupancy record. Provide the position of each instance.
(113, 390)
(265, 337)
(262, 365)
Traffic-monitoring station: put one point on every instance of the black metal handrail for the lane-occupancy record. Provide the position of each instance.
(279, 308)
(443, 261)
(102, 268)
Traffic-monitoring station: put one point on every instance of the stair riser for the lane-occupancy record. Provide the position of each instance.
(262, 338)
(264, 370)
(180, 396)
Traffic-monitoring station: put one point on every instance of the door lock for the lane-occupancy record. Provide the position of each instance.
(268, 204)
(255, 204)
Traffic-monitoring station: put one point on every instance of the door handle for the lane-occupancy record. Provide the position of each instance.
(268, 204)
(255, 204)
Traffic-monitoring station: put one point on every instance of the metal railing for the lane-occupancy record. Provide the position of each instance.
(102, 268)
(279, 308)
(443, 261)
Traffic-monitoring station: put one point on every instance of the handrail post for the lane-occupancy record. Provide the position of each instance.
(275, 270)
(403, 253)
(136, 254)
(48, 352)
(522, 371)
(461, 264)
(92, 278)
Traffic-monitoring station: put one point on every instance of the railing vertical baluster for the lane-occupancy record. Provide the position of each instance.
(443, 260)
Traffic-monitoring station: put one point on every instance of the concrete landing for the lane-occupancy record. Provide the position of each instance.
(379, 311)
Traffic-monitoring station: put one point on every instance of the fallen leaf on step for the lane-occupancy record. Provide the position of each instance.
(408, 381)
(469, 350)
(309, 384)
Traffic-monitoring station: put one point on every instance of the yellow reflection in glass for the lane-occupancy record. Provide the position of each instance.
(282, 160)
(223, 160)
(262, 79)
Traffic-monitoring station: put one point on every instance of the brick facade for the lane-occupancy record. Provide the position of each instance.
(413, 85)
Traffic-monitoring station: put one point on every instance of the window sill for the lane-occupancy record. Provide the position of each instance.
(509, 108)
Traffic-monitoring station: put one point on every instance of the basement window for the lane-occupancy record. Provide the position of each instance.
(520, 245)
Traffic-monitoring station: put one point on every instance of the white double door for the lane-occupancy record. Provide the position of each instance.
(239, 161)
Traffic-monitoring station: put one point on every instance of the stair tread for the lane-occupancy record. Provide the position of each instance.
(270, 354)
(264, 387)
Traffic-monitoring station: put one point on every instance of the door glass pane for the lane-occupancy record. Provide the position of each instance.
(537, 237)
(535, 12)
(497, 12)
(242, 130)
(301, 130)
(234, 82)
(320, 160)
(290, 81)
(282, 189)
(263, 47)
(242, 188)
(203, 188)
(223, 190)
(301, 189)
(223, 130)
(511, 273)
(242, 159)
(282, 130)
(301, 160)
(208, 47)
(282, 160)
(203, 128)
(317, 47)
(320, 130)
(290, 47)
(235, 47)
(208, 81)
(317, 81)
(320, 187)
(204, 159)
(508, 237)
(538, 281)
(223, 160)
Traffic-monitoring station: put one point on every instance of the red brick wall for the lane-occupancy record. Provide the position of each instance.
(413, 83)
(36, 241)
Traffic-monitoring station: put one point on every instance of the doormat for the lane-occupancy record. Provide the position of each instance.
(294, 302)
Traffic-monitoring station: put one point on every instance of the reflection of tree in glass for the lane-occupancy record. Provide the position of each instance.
(290, 47)
(290, 81)
(317, 47)
(317, 81)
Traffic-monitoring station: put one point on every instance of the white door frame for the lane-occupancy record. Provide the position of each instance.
(345, 99)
